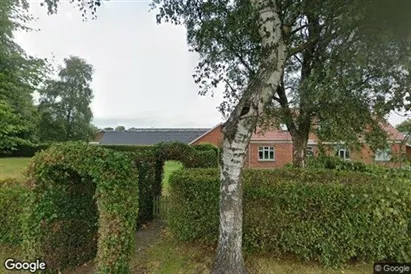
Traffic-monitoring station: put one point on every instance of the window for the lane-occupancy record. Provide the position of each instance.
(310, 151)
(343, 153)
(383, 155)
(283, 127)
(266, 153)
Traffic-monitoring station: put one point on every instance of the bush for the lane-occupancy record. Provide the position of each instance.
(328, 162)
(187, 155)
(150, 176)
(83, 201)
(128, 148)
(150, 160)
(206, 147)
(12, 200)
(327, 216)
(24, 150)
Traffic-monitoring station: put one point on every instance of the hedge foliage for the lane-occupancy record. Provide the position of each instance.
(200, 156)
(83, 201)
(13, 195)
(336, 163)
(328, 216)
(150, 160)
(24, 150)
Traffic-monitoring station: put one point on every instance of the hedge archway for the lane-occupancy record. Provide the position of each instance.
(74, 187)
(200, 156)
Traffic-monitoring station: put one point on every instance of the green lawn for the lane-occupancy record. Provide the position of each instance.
(169, 168)
(12, 167)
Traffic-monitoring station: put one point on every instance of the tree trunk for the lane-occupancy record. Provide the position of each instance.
(237, 134)
(299, 151)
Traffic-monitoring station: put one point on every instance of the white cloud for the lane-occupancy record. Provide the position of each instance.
(143, 71)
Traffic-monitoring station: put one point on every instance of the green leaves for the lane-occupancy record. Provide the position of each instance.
(64, 108)
(12, 200)
(84, 204)
(320, 215)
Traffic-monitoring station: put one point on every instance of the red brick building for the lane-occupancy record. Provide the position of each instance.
(273, 148)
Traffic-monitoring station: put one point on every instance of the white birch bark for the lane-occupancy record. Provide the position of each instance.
(237, 134)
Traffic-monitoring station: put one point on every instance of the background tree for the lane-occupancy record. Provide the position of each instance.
(20, 75)
(120, 128)
(64, 107)
(404, 126)
(108, 128)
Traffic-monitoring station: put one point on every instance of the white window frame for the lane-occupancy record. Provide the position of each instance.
(283, 127)
(383, 155)
(265, 149)
(345, 151)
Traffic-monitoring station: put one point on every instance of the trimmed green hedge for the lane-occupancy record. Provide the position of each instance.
(24, 150)
(326, 216)
(13, 197)
(83, 204)
(150, 160)
(205, 147)
(188, 155)
(150, 176)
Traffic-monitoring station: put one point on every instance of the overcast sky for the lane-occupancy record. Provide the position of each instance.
(143, 71)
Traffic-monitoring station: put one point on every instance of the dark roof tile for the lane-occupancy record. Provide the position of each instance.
(151, 136)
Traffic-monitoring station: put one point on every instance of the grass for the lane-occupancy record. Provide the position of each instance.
(169, 168)
(12, 167)
(168, 256)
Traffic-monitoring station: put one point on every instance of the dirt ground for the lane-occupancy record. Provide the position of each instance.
(145, 237)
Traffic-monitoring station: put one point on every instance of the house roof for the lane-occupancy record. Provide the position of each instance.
(281, 135)
(393, 132)
(205, 133)
(151, 136)
(273, 134)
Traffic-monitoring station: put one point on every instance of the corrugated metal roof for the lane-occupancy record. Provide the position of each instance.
(151, 136)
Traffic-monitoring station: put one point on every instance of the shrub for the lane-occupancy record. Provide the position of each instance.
(202, 159)
(206, 147)
(24, 150)
(327, 216)
(149, 161)
(328, 162)
(83, 201)
(12, 200)
(187, 155)
(150, 176)
(128, 148)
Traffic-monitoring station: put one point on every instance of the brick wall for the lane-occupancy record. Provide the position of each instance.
(215, 137)
(367, 156)
(283, 154)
